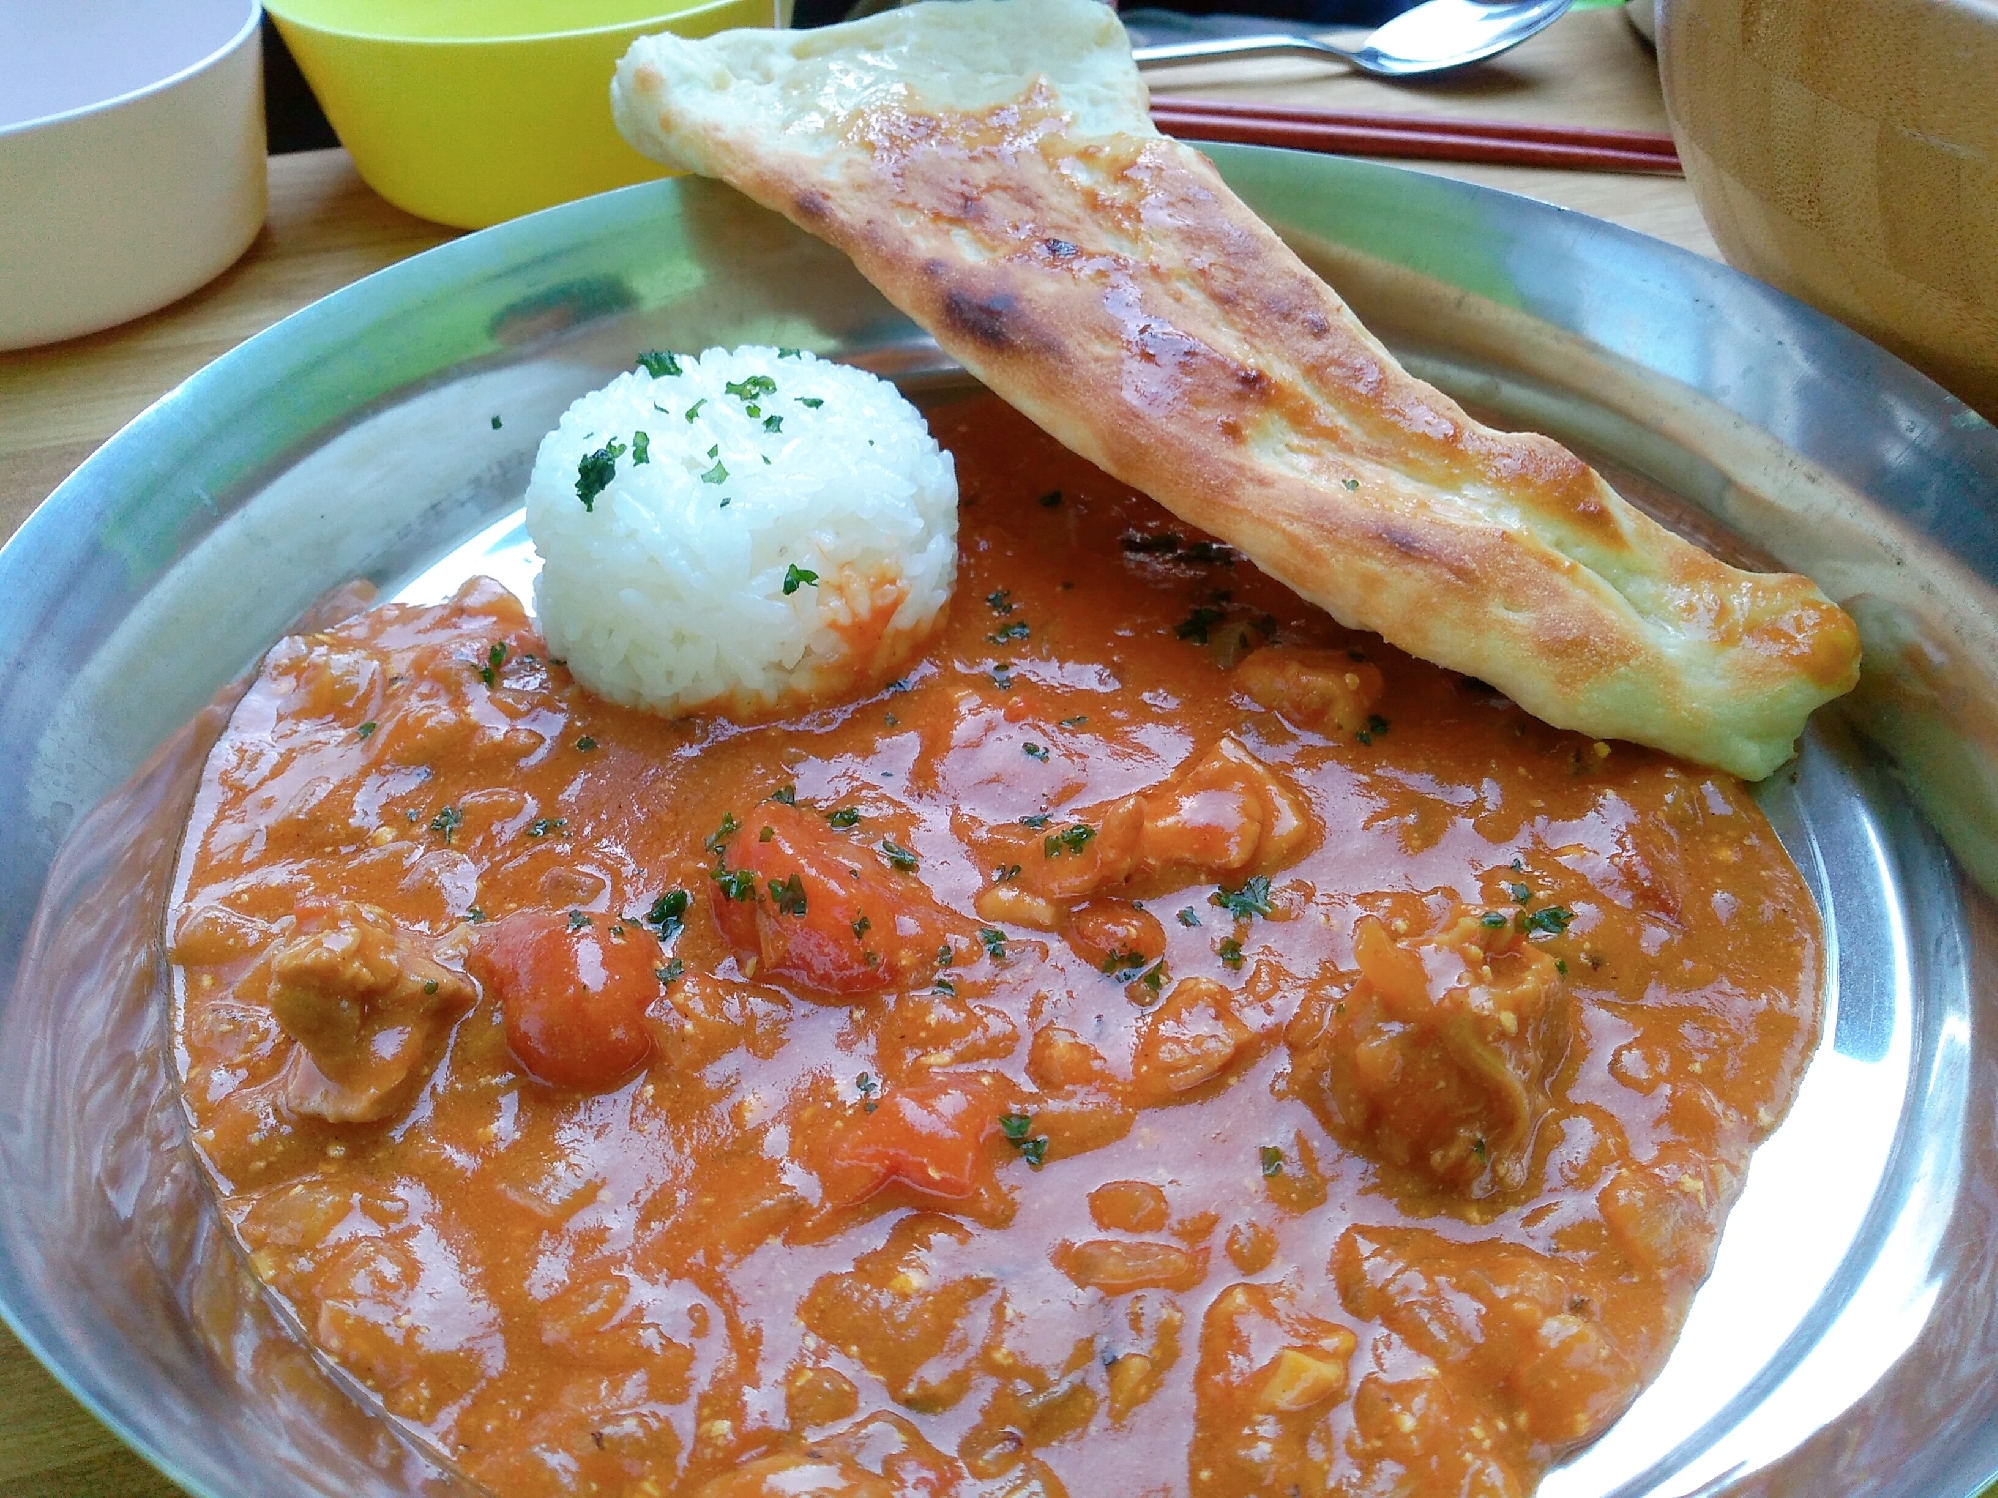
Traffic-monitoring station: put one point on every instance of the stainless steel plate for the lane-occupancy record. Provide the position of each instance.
(1848, 1340)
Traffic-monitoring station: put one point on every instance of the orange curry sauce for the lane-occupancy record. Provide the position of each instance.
(1168, 1044)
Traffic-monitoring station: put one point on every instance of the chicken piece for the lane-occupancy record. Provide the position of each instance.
(1327, 691)
(1437, 1059)
(1502, 1318)
(993, 169)
(1268, 1372)
(1222, 816)
(368, 1005)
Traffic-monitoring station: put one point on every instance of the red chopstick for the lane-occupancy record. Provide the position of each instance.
(1500, 142)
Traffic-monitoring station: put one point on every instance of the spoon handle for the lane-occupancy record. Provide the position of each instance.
(1235, 46)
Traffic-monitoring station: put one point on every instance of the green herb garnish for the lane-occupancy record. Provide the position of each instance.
(796, 577)
(789, 895)
(446, 822)
(669, 913)
(595, 472)
(659, 363)
(902, 859)
(1068, 840)
(737, 884)
(1250, 898)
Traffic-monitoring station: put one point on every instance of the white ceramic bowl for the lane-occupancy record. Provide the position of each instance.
(131, 157)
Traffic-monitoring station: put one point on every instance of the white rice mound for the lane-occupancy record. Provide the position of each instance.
(667, 589)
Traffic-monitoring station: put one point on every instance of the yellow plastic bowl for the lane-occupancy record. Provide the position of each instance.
(469, 112)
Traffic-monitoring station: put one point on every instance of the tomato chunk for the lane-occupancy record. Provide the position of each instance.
(574, 993)
(804, 903)
(930, 1136)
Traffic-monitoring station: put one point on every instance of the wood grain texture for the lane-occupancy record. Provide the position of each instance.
(326, 229)
(1848, 153)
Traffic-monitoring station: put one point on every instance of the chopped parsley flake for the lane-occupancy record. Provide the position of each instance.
(669, 913)
(796, 577)
(1068, 840)
(1552, 921)
(1035, 751)
(901, 858)
(1076, 722)
(659, 363)
(1197, 625)
(790, 353)
(1017, 630)
(789, 895)
(1187, 917)
(1230, 952)
(641, 447)
(785, 795)
(715, 475)
(944, 986)
(861, 926)
(1376, 726)
(737, 884)
(367, 729)
(845, 816)
(671, 972)
(766, 834)
(475, 915)
(1002, 677)
(1251, 898)
(446, 822)
(495, 658)
(1037, 820)
(586, 743)
(1017, 1127)
(578, 920)
(430, 985)
(1272, 1158)
(773, 423)
(1350, 483)
(995, 943)
(1000, 601)
(695, 409)
(809, 402)
(595, 472)
(729, 827)
(749, 389)
(496, 423)
(542, 826)
(1520, 893)
(1492, 919)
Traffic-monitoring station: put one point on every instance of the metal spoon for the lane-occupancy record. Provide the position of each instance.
(1435, 36)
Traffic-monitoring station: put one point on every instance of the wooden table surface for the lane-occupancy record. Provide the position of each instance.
(326, 229)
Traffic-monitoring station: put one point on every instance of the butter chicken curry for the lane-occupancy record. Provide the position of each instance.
(1167, 1044)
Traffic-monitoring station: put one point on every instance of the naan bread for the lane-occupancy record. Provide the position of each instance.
(991, 166)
